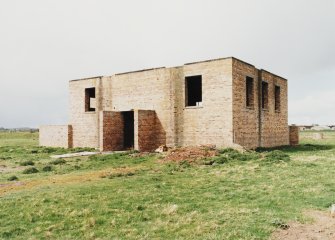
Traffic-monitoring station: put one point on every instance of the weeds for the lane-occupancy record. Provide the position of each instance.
(30, 170)
(280, 224)
(277, 156)
(229, 155)
(13, 178)
(106, 157)
(173, 167)
(47, 168)
(241, 199)
(59, 161)
(120, 174)
(27, 163)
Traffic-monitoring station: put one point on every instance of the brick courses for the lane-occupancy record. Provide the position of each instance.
(56, 136)
(157, 97)
(294, 135)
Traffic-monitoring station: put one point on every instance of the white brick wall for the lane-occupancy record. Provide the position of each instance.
(55, 136)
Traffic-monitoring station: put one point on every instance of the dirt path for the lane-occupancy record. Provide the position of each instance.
(6, 169)
(322, 228)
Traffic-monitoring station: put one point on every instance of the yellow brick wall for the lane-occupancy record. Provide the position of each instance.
(146, 90)
(274, 124)
(245, 120)
(85, 124)
(255, 127)
(55, 136)
(211, 123)
(223, 119)
(294, 135)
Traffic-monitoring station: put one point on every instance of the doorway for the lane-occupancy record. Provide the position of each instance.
(128, 130)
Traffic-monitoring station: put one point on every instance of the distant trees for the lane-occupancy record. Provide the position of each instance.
(2, 129)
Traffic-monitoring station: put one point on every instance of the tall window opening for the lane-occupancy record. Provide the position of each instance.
(277, 98)
(265, 95)
(193, 88)
(90, 100)
(250, 92)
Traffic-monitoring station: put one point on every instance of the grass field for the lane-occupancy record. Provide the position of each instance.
(133, 196)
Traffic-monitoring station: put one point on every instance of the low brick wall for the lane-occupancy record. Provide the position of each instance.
(149, 133)
(56, 136)
(111, 131)
(294, 135)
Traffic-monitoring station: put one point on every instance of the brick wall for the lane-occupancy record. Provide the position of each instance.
(245, 119)
(111, 131)
(254, 126)
(223, 119)
(149, 132)
(274, 123)
(105, 97)
(146, 90)
(294, 135)
(55, 136)
(210, 123)
(85, 124)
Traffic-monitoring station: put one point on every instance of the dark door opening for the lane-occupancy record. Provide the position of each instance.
(128, 130)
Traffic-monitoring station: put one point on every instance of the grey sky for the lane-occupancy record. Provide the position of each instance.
(45, 43)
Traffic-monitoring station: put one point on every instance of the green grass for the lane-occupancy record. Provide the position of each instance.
(129, 196)
(18, 138)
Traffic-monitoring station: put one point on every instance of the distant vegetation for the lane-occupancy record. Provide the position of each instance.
(18, 129)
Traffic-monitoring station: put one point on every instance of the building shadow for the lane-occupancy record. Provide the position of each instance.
(299, 148)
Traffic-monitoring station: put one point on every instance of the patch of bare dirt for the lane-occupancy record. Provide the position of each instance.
(2, 185)
(6, 169)
(322, 228)
(65, 179)
(191, 154)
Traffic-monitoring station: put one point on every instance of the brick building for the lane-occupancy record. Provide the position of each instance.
(226, 102)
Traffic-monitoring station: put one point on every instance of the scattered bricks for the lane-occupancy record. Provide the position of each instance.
(161, 149)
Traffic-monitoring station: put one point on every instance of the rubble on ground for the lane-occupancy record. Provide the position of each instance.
(191, 154)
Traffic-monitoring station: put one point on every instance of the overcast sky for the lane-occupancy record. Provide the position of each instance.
(45, 43)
